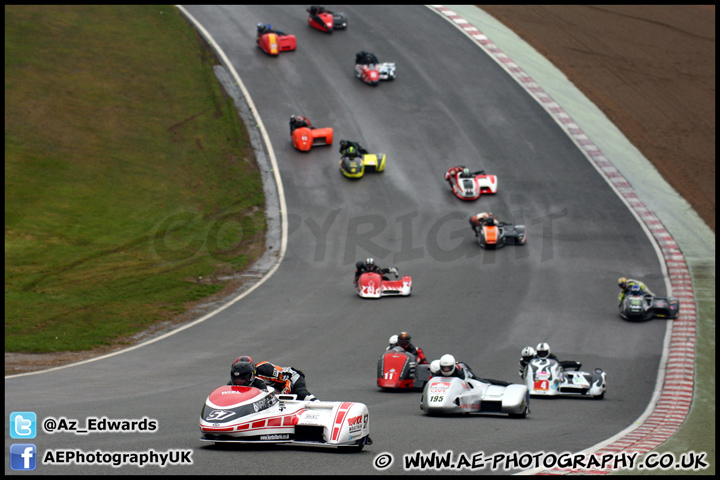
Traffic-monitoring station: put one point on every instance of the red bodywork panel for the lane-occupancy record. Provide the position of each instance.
(327, 24)
(305, 138)
(273, 44)
(393, 364)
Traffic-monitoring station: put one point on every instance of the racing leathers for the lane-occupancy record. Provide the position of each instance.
(365, 58)
(482, 218)
(298, 122)
(263, 28)
(357, 150)
(257, 383)
(463, 371)
(419, 354)
(565, 364)
(455, 170)
(524, 360)
(644, 290)
(361, 267)
(316, 9)
(284, 379)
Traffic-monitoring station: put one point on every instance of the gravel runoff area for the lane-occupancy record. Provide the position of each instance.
(649, 68)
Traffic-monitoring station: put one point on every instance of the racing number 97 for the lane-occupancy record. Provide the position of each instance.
(217, 415)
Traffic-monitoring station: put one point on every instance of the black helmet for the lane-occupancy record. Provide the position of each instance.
(369, 262)
(242, 374)
(403, 339)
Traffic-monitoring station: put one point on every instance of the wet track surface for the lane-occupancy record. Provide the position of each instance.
(450, 105)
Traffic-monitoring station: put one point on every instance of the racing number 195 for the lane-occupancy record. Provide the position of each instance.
(436, 398)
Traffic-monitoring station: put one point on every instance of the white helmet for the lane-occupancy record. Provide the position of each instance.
(528, 352)
(393, 340)
(435, 367)
(447, 365)
(543, 350)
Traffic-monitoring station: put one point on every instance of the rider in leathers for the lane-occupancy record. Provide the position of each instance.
(369, 266)
(448, 367)
(243, 374)
(403, 341)
(625, 284)
(543, 351)
(298, 122)
(482, 218)
(527, 354)
(351, 149)
(263, 28)
(365, 58)
(284, 379)
(464, 173)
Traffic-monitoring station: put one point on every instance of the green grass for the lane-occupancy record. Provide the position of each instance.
(128, 175)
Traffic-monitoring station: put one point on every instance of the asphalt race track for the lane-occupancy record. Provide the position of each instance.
(450, 105)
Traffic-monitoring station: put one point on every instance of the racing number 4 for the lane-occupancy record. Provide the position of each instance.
(541, 384)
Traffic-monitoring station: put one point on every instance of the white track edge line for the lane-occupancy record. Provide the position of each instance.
(659, 382)
(283, 217)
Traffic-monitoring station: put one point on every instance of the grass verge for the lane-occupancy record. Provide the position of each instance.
(130, 184)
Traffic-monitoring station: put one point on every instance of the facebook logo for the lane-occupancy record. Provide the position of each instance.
(23, 425)
(23, 456)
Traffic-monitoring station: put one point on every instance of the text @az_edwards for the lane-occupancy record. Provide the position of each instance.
(103, 424)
